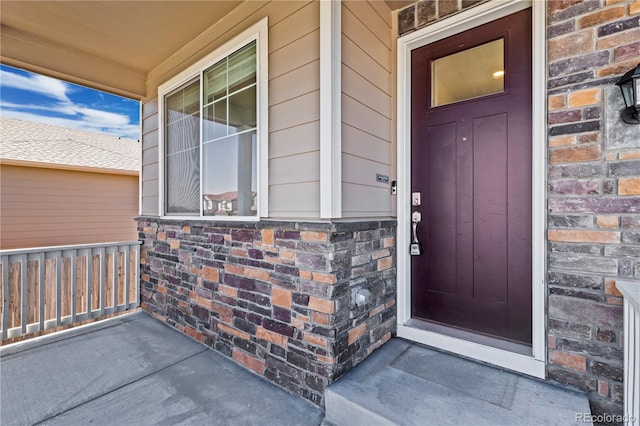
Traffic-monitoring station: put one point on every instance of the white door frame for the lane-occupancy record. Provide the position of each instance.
(486, 12)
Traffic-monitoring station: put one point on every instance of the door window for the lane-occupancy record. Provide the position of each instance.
(471, 73)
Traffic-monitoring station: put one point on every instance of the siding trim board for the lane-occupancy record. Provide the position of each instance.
(330, 109)
(142, 158)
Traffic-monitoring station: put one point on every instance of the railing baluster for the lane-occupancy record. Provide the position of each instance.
(24, 280)
(103, 272)
(127, 276)
(137, 251)
(58, 257)
(89, 254)
(5, 296)
(114, 278)
(72, 277)
(41, 290)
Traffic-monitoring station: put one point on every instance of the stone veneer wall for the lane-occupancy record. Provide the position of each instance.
(593, 193)
(593, 186)
(427, 12)
(277, 297)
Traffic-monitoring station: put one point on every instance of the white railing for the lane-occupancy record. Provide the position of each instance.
(46, 287)
(631, 293)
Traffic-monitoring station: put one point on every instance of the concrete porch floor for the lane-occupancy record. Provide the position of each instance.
(408, 384)
(135, 370)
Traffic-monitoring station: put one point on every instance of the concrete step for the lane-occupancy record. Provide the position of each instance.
(408, 384)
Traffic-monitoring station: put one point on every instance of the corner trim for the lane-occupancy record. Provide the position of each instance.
(330, 109)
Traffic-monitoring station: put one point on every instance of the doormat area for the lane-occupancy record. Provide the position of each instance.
(470, 378)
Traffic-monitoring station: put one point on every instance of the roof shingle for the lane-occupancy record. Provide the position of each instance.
(42, 143)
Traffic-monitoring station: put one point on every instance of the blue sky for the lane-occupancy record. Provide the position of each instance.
(34, 97)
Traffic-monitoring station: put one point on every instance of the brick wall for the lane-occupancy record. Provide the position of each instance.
(277, 297)
(593, 193)
(593, 185)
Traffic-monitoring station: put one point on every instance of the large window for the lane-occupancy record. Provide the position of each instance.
(211, 142)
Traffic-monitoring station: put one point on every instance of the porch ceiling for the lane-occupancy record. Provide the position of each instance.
(128, 38)
(109, 45)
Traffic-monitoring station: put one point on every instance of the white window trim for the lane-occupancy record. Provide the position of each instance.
(259, 33)
(534, 365)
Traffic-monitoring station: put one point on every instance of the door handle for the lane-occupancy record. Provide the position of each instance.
(415, 249)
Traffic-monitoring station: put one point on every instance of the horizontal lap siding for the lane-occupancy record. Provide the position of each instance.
(294, 114)
(294, 105)
(45, 207)
(150, 152)
(367, 105)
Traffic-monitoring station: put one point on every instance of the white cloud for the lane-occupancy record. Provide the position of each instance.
(60, 110)
(105, 118)
(29, 107)
(36, 83)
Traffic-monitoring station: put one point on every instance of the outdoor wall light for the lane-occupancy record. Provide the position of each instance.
(630, 87)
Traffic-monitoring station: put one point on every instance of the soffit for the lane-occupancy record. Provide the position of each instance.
(136, 34)
(108, 45)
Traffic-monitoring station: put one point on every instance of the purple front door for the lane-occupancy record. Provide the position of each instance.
(471, 163)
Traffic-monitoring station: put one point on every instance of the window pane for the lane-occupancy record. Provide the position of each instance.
(215, 82)
(242, 68)
(174, 108)
(229, 176)
(468, 74)
(242, 110)
(234, 105)
(182, 143)
(183, 187)
(215, 120)
(191, 96)
(182, 134)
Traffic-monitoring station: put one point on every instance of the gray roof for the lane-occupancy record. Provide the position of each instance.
(42, 143)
